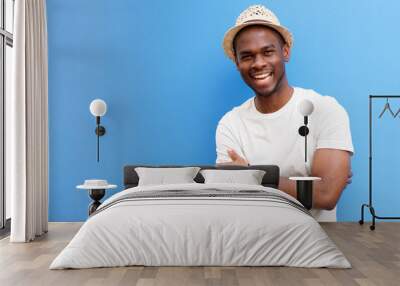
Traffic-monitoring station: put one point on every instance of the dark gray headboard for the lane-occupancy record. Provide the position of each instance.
(270, 179)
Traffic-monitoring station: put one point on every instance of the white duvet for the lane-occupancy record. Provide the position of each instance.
(200, 231)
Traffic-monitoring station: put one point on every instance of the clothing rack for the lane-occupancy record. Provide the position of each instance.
(370, 203)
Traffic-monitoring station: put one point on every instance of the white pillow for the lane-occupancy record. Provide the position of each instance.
(165, 176)
(248, 177)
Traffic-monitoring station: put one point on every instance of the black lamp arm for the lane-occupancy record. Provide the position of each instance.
(303, 131)
(100, 131)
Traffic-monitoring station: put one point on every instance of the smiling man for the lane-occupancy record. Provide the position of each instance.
(264, 129)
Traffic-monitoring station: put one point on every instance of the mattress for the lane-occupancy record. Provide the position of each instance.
(201, 225)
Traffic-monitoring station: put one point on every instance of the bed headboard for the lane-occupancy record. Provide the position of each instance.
(270, 179)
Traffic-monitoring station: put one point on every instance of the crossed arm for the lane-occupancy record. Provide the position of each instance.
(331, 165)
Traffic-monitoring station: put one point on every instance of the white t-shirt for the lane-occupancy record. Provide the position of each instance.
(273, 138)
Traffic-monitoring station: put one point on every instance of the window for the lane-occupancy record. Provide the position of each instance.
(6, 56)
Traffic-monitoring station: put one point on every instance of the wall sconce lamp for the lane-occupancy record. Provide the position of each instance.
(304, 185)
(98, 108)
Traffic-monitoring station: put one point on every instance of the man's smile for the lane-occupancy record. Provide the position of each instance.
(263, 77)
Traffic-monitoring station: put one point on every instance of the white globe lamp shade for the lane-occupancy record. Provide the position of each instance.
(306, 107)
(98, 107)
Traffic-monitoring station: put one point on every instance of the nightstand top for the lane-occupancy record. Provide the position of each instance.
(95, 184)
(305, 178)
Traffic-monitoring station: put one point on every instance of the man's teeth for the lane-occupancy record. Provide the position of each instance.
(262, 75)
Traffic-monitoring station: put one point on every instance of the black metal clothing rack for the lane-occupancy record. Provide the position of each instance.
(370, 205)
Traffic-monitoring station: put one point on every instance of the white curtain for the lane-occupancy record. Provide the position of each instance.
(27, 123)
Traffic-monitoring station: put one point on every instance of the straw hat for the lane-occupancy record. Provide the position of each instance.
(254, 15)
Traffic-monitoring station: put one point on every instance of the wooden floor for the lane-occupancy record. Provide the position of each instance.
(374, 255)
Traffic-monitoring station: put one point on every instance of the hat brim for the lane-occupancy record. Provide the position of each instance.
(232, 32)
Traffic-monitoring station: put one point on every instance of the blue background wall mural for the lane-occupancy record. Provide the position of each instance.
(160, 67)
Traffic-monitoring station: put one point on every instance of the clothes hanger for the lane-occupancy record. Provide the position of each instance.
(387, 107)
(398, 111)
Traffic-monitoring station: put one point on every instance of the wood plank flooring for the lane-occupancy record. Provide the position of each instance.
(374, 255)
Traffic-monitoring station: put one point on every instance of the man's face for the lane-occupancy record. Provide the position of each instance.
(260, 59)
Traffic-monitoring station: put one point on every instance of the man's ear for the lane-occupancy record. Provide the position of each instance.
(286, 52)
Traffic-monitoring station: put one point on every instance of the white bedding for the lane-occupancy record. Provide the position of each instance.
(182, 231)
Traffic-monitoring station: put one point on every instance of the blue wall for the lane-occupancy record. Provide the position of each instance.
(160, 68)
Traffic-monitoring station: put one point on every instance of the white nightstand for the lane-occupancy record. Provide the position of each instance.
(97, 190)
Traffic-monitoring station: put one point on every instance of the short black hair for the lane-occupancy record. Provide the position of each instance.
(282, 41)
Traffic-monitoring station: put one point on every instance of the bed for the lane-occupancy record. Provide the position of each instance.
(201, 224)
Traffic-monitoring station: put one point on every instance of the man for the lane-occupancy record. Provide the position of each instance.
(264, 129)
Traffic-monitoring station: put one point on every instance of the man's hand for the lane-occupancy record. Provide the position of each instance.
(236, 159)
